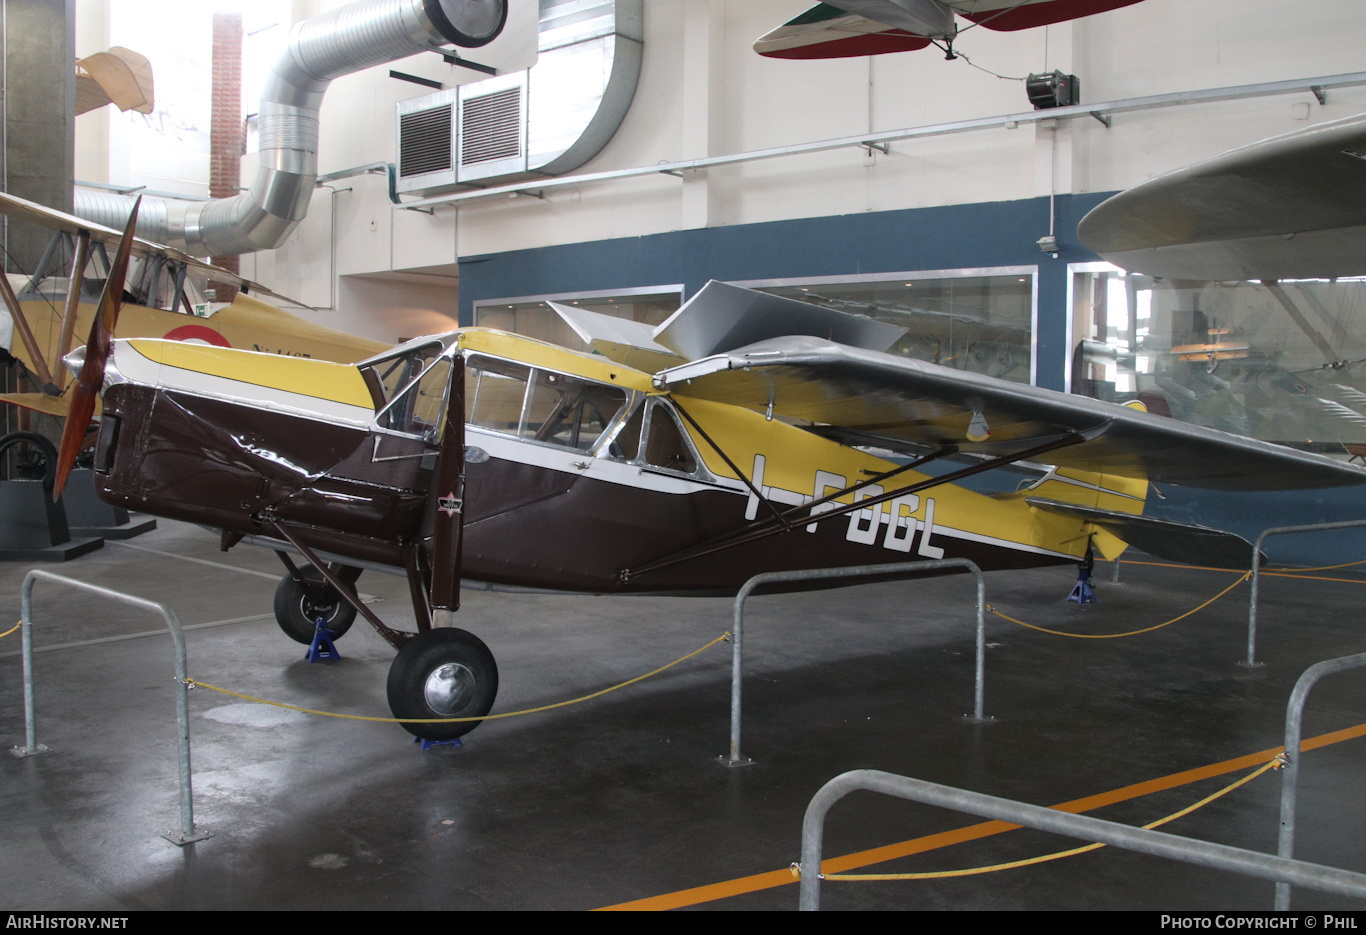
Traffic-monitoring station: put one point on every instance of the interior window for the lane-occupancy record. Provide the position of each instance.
(421, 409)
(494, 394)
(664, 444)
(539, 404)
(387, 377)
(626, 446)
(565, 411)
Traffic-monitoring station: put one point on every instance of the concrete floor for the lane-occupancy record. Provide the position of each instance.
(621, 799)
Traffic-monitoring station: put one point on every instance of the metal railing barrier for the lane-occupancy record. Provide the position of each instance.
(187, 833)
(1256, 577)
(1294, 716)
(734, 758)
(1156, 843)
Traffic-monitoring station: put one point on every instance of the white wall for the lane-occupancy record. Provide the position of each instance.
(703, 91)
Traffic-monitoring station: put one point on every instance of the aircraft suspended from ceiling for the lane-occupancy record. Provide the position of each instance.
(874, 27)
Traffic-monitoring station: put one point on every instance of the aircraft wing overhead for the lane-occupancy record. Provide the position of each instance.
(1289, 207)
(826, 31)
(870, 398)
(1010, 15)
(722, 317)
(621, 339)
(871, 27)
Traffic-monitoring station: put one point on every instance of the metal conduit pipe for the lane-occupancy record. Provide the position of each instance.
(341, 42)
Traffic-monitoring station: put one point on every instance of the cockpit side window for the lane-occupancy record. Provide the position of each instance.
(420, 409)
(388, 376)
(539, 405)
(664, 444)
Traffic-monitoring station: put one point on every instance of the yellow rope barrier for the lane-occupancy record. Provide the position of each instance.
(194, 683)
(849, 877)
(1112, 636)
(11, 629)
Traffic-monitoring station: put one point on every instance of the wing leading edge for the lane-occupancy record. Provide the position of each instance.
(911, 405)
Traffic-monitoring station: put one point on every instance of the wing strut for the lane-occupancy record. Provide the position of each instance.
(763, 531)
(26, 335)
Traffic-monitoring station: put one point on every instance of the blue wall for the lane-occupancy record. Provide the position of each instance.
(978, 235)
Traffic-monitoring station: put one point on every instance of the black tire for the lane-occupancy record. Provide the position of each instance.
(297, 606)
(444, 672)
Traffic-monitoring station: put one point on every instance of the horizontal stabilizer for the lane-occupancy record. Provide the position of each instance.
(621, 339)
(1179, 542)
(722, 317)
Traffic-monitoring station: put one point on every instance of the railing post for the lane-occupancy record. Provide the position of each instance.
(1290, 773)
(735, 758)
(1256, 577)
(187, 833)
(1084, 827)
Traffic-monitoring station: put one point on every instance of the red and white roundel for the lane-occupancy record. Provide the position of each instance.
(197, 334)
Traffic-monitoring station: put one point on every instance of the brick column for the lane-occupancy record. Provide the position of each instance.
(227, 139)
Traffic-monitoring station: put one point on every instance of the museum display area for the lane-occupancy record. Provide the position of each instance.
(548, 454)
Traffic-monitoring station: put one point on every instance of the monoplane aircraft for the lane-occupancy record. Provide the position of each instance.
(772, 434)
(871, 27)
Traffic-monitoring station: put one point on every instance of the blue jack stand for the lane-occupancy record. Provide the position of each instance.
(1081, 591)
(321, 647)
(428, 744)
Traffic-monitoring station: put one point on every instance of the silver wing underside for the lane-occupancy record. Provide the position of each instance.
(872, 398)
(1290, 207)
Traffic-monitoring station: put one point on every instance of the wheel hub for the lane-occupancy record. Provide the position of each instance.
(448, 688)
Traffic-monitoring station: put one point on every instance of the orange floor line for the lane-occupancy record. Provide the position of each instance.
(776, 878)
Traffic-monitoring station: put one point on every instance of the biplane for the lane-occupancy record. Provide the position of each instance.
(849, 28)
(168, 295)
(747, 433)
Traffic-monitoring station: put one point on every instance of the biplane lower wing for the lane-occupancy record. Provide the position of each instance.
(913, 405)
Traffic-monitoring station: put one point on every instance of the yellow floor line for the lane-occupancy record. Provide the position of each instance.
(776, 878)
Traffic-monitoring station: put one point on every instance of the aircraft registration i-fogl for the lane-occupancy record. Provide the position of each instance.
(762, 434)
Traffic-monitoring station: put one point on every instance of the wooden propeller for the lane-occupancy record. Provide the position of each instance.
(91, 378)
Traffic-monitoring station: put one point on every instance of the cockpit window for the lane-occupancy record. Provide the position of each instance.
(540, 405)
(387, 376)
(665, 444)
(420, 409)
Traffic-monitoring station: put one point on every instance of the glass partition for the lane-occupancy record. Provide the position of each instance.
(533, 316)
(1280, 361)
(980, 320)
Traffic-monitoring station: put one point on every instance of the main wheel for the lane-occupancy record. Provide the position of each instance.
(443, 673)
(297, 607)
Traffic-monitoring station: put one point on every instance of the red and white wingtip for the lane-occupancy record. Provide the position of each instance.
(826, 31)
(90, 380)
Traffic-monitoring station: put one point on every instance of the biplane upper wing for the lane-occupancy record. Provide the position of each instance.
(864, 397)
(33, 213)
(870, 27)
(1288, 207)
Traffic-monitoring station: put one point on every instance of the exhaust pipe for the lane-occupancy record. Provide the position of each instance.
(341, 42)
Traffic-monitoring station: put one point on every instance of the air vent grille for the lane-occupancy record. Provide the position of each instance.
(491, 127)
(425, 141)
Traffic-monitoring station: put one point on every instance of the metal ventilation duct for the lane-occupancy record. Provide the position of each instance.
(546, 120)
(345, 40)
